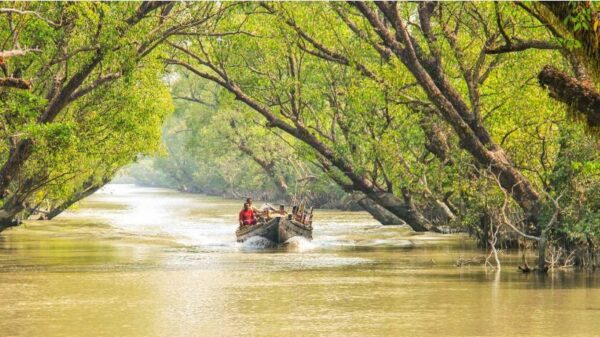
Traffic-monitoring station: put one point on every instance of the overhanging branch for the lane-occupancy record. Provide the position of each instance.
(581, 97)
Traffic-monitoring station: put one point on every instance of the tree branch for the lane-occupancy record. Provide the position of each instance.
(585, 99)
(17, 52)
(18, 83)
(21, 12)
(517, 45)
(100, 81)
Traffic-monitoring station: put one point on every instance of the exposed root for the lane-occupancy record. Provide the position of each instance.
(557, 258)
(493, 240)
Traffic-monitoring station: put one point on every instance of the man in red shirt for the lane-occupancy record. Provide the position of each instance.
(247, 217)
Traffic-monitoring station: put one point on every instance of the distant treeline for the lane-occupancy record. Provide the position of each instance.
(205, 152)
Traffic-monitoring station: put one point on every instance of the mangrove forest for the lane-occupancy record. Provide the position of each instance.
(451, 142)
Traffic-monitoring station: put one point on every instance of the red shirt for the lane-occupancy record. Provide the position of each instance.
(246, 215)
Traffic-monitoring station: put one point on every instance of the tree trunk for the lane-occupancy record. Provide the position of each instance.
(268, 167)
(55, 211)
(12, 82)
(402, 209)
(7, 220)
(437, 140)
(9, 214)
(541, 262)
(11, 168)
(380, 214)
(579, 96)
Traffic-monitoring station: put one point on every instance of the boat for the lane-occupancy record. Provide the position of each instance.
(277, 230)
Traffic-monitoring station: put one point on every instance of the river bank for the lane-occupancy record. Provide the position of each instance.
(153, 262)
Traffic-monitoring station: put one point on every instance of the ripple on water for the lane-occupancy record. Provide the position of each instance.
(317, 261)
(396, 243)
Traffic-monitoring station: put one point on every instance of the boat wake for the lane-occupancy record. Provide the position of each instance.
(299, 244)
(258, 242)
(295, 244)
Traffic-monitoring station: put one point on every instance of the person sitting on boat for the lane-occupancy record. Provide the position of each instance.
(254, 209)
(247, 216)
(269, 212)
(281, 211)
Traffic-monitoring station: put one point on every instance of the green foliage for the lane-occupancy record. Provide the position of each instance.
(576, 178)
(202, 153)
(96, 133)
(364, 108)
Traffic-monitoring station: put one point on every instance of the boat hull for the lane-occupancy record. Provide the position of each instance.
(277, 230)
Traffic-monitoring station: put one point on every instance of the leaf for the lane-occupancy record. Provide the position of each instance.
(566, 20)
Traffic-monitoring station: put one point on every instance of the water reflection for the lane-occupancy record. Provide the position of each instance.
(151, 262)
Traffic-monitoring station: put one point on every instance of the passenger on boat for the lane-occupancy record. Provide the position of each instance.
(254, 209)
(247, 216)
(281, 210)
(269, 212)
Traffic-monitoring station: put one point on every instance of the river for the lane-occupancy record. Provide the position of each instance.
(133, 261)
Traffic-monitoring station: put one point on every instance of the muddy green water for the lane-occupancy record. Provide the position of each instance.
(133, 261)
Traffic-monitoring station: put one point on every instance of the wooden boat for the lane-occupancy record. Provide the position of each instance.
(278, 230)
